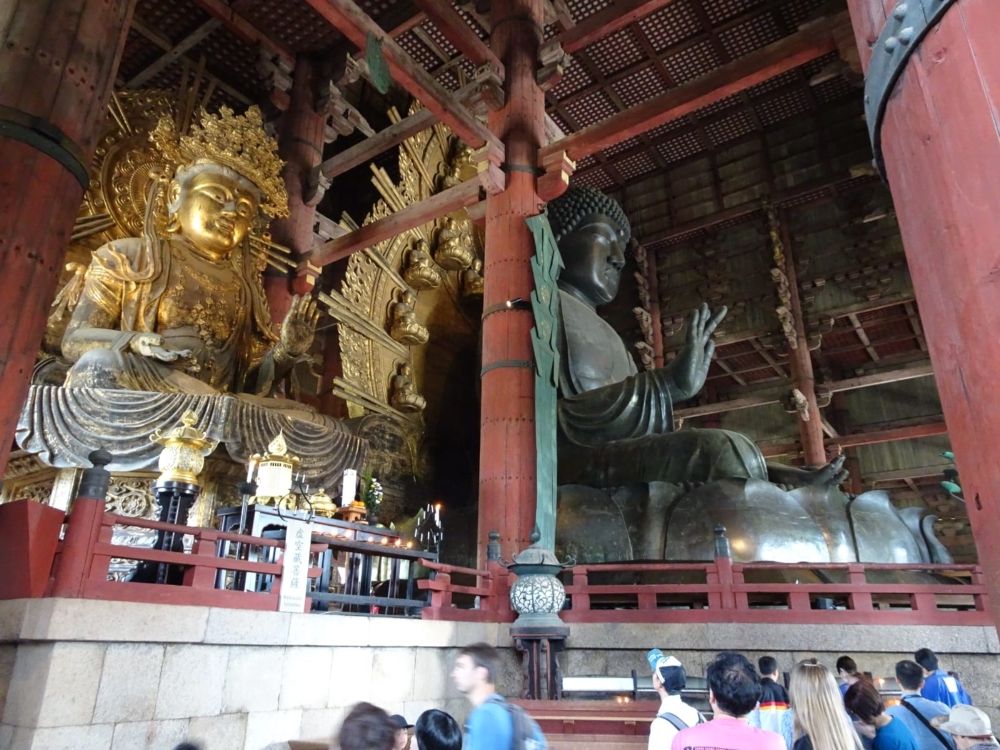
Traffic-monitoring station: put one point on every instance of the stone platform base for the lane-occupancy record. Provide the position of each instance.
(87, 674)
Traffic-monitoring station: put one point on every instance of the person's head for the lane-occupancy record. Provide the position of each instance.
(909, 675)
(592, 233)
(733, 685)
(847, 669)
(926, 659)
(436, 730)
(475, 669)
(968, 726)
(669, 676)
(402, 731)
(367, 727)
(819, 710)
(864, 701)
(768, 666)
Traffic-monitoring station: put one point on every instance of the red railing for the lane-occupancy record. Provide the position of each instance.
(83, 558)
(723, 591)
(482, 595)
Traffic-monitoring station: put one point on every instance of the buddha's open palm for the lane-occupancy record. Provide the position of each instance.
(690, 368)
(299, 326)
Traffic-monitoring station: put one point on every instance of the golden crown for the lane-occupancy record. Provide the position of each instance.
(235, 141)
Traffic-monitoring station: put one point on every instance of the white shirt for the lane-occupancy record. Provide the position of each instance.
(661, 731)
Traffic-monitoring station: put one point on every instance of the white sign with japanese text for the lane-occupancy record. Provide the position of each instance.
(295, 566)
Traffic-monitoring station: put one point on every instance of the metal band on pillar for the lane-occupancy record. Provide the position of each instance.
(904, 29)
(43, 136)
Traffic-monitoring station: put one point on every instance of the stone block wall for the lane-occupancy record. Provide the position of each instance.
(85, 674)
(90, 674)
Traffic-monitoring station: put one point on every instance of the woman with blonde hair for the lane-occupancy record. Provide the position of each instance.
(820, 720)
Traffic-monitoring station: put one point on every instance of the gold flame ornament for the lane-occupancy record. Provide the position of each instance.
(273, 470)
(184, 451)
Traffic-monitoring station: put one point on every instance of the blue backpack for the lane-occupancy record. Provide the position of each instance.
(526, 733)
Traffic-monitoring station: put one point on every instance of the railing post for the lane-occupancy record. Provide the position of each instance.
(580, 597)
(724, 567)
(858, 600)
(199, 576)
(83, 529)
(29, 536)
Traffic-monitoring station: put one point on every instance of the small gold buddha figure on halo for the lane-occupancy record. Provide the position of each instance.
(404, 326)
(181, 309)
(472, 279)
(403, 393)
(420, 272)
(454, 247)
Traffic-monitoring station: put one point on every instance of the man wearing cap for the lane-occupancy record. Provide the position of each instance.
(402, 732)
(971, 729)
(674, 715)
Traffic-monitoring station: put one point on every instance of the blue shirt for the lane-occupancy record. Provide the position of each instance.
(894, 736)
(489, 727)
(942, 687)
(928, 709)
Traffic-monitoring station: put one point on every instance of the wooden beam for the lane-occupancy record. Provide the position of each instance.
(233, 20)
(357, 26)
(775, 395)
(771, 449)
(606, 22)
(813, 41)
(454, 198)
(901, 475)
(163, 43)
(895, 434)
(859, 331)
(173, 54)
(382, 141)
(458, 32)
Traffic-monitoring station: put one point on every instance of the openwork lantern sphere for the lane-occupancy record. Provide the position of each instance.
(184, 451)
(537, 595)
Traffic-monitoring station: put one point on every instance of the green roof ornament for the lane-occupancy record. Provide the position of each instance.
(378, 68)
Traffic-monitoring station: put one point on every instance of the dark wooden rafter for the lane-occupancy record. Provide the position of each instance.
(232, 18)
(774, 396)
(175, 53)
(454, 28)
(452, 199)
(357, 26)
(859, 331)
(813, 41)
(604, 23)
(866, 437)
(382, 141)
(165, 44)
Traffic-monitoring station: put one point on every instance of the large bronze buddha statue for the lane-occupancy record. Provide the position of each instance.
(660, 491)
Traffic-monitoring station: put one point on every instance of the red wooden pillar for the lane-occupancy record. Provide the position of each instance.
(58, 62)
(801, 366)
(507, 452)
(300, 144)
(941, 147)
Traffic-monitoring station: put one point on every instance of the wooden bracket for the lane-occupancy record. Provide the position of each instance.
(553, 61)
(276, 72)
(557, 169)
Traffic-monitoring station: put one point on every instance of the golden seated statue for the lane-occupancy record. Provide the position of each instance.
(402, 392)
(420, 272)
(404, 326)
(454, 247)
(177, 319)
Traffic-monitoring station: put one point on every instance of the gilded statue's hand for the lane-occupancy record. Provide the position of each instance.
(166, 348)
(299, 326)
(690, 368)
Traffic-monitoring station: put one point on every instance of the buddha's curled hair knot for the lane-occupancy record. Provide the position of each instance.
(566, 211)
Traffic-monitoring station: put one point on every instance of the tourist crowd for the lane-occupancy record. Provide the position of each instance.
(750, 709)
